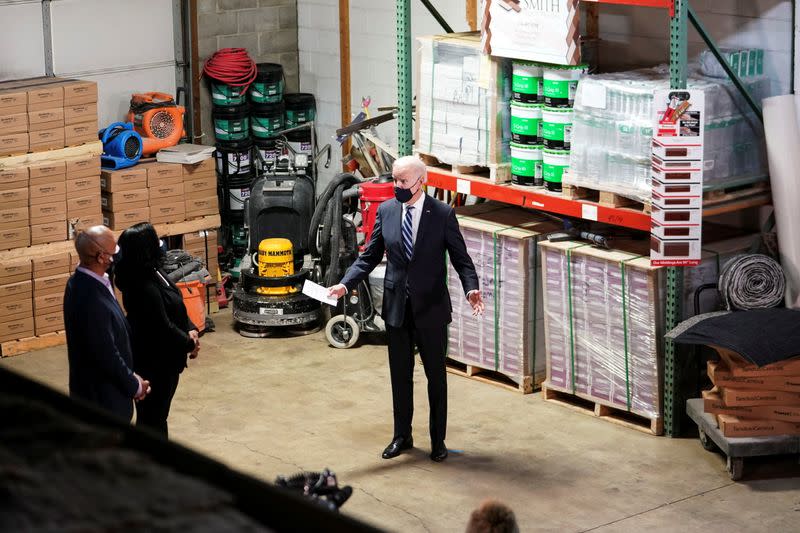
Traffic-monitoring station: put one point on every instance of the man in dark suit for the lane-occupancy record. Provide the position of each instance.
(98, 345)
(415, 231)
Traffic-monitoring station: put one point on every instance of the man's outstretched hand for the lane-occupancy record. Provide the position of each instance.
(337, 291)
(475, 300)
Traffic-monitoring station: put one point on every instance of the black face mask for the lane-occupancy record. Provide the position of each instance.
(404, 195)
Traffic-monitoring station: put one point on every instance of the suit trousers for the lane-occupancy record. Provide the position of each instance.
(152, 412)
(432, 343)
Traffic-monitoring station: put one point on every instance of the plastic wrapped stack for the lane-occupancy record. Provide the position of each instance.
(612, 131)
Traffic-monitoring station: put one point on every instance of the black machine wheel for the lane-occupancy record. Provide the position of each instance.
(735, 467)
(342, 331)
(705, 442)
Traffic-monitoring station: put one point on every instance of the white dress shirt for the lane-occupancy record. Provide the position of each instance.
(416, 216)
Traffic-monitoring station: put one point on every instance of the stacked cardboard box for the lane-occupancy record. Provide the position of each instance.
(196, 244)
(50, 275)
(125, 198)
(14, 209)
(48, 201)
(503, 244)
(200, 184)
(165, 191)
(84, 203)
(46, 113)
(16, 303)
(751, 401)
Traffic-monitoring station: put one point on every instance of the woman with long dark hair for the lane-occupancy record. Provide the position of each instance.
(161, 333)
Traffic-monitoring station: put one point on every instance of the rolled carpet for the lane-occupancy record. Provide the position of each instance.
(752, 281)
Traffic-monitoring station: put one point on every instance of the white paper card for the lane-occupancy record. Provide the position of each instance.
(589, 212)
(318, 292)
(463, 186)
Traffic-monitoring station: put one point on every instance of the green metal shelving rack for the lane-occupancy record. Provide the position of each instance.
(681, 14)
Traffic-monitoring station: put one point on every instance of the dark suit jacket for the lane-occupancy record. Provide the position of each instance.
(426, 274)
(98, 347)
(159, 326)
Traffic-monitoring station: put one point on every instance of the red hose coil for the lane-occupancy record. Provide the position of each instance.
(231, 66)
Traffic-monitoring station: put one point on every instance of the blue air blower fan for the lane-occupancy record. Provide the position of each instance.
(122, 146)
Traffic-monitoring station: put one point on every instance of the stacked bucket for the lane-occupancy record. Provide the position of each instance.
(541, 122)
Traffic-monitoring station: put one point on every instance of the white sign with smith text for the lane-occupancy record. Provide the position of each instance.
(534, 30)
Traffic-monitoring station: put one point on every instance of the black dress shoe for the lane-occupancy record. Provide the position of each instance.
(439, 453)
(396, 446)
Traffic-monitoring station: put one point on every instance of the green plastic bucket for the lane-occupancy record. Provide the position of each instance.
(266, 120)
(560, 85)
(526, 82)
(556, 128)
(224, 95)
(554, 163)
(231, 123)
(526, 164)
(268, 85)
(300, 108)
(526, 123)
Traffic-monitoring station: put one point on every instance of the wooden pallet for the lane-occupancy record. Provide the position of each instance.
(28, 344)
(526, 386)
(494, 172)
(599, 409)
(609, 199)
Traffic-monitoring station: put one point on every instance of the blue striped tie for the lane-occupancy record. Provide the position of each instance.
(408, 241)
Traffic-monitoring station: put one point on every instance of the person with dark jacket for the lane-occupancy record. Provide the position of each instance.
(416, 232)
(162, 334)
(98, 345)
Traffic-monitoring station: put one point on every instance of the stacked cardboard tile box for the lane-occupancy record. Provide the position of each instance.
(751, 401)
(509, 338)
(46, 113)
(204, 245)
(50, 275)
(158, 193)
(16, 300)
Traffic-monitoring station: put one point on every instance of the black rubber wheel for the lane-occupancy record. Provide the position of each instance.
(342, 332)
(735, 467)
(705, 442)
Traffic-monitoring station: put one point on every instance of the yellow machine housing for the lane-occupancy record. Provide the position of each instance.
(275, 260)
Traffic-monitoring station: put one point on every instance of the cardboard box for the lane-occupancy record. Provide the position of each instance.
(49, 232)
(721, 377)
(16, 123)
(74, 261)
(163, 173)
(81, 222)
(46, 119)
(13, 101)
(84, 205)
(123, 180)
(14, 198)
(45, 96)
(16, 291)
(740, 367)
(712, 403)
(16, 217)
(204, 167)
(51, 265)
(49, 303)
(16, 309)
(80, 167)
(54, 170)
(732, 426)
(49, 285)
(14, 143)
(42, 194)
(198, 187)
(164, 194)
(76, 134)
(165, 213)
(120, 220)
(15, 270)
(743, 397)
(202, 207)
(125, 200)
(199, 238)
(13, 178)
(78, 91)
(82, 187)
(48, 213)
(78, 114)
(49, 323)
(46, 139)
(16, 329)
(17, 237)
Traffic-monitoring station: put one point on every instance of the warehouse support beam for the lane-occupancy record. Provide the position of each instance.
(404, 92)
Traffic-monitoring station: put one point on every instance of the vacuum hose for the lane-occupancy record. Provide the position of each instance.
(231, 66)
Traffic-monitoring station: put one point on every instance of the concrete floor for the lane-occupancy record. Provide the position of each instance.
(276, 406)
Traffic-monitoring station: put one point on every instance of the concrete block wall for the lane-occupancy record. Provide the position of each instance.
(633, 36)
(373, 63)
(266, 28)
